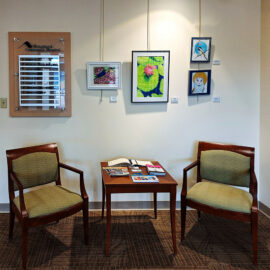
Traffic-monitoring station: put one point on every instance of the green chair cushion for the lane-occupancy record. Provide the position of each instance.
(35, 169)
(48, 200)
(221, 196)
(225, 167)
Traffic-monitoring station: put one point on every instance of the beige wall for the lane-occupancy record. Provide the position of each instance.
(166, 132)
(265, 106)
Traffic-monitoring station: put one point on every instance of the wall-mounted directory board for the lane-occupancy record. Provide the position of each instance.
(39, 74)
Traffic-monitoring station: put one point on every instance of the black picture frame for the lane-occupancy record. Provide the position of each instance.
(200, 50)
(157, 90)
(203, 77)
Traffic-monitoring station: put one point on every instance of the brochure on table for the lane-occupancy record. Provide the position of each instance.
(116, 171)
(145, 179)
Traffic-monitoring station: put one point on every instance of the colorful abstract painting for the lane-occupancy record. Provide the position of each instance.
(150, 76)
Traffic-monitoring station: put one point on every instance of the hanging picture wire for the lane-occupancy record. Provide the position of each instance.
(200, 25)
(148, 25)
(101, 40)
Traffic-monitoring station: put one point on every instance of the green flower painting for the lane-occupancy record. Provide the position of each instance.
(150, 76)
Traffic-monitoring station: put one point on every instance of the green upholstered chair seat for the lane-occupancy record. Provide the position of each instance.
(48, 200)
(221, 196)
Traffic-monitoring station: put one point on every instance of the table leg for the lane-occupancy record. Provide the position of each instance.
(103, 198)
(172, 212)
(108, 213)
(155, 204)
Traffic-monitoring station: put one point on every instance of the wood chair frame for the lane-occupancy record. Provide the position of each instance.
(22, 215)
(245, 217)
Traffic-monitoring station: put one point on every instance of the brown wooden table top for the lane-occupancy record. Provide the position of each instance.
(126, 180)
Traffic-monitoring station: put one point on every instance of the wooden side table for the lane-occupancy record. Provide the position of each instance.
(124, 184)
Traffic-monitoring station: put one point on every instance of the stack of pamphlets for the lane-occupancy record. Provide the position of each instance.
(136, 169)
(155, 170)
(116, 171)
(144, 179)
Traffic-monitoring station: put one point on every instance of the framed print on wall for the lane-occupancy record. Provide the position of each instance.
(150, 76)
(199, 82)
(200, 49)
(104, 75)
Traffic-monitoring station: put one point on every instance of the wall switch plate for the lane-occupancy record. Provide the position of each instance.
(113, 99)
(3, 103)
(216, 99)
(174, 100)
(216, 62)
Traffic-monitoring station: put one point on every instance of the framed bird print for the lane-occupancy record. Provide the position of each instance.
(200, 49)
(103, 75)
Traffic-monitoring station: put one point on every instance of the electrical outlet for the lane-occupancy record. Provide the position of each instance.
(3, 103)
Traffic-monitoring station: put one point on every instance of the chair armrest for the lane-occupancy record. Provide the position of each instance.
(82, 187)
(185, 170)
(14, 178)
(253, 191)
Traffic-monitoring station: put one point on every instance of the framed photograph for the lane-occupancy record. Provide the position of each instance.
(199, 82)
(103, 75)
(200, 49)
(150, 76)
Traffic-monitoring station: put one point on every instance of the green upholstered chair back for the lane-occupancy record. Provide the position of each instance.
(35, 169)
(225, 167)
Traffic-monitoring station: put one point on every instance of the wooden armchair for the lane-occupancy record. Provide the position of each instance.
(223, 166)
(37, 166)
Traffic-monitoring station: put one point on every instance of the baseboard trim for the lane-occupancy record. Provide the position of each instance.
(264, 209)
(125, 205)
(136, 205)
(4, 207)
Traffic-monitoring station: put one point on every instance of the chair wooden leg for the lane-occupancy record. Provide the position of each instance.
(24, 245)
(183, 219)
(254, 224)
(155, 204)
(199, 215)
(85, 222)
(11, 222)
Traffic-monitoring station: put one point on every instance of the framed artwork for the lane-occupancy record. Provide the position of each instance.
(103, 75)
(199, 82)
(200, 49)
(150, 76)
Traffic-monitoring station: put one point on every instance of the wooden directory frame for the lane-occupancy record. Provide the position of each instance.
(39, 43)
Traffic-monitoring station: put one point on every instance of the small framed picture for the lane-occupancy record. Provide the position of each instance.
(103, 75)
(150, 76)
(200, 49)
(199, 82)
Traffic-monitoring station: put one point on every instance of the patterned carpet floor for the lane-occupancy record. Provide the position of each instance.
(138, 241)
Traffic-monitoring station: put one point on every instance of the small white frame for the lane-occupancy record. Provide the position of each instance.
(104, 80)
